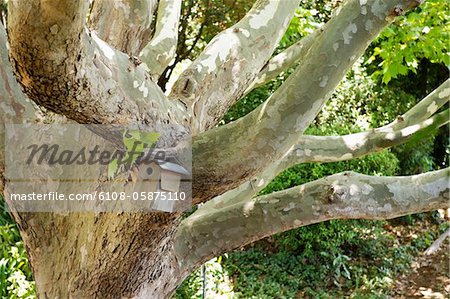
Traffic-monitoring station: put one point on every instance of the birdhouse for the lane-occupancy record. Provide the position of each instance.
(165, 177)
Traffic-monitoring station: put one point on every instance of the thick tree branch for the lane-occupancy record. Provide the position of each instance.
(269, 132)
(416, 121)
(123, 24)
(283, 61)
(331, 149)
(425, 108)
(162, 48)
(212, 231)
(339, 148)
(235, 56)
(75, 73)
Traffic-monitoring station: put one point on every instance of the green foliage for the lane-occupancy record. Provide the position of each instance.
(288, 266)
(304, 22)
(16, 280)
(422, 33)
(217, 282)
(248, 103)
(419, 156)
(360, 102)
(335, 259)
(3, 9)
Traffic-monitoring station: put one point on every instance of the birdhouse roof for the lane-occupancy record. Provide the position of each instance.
(172, 166)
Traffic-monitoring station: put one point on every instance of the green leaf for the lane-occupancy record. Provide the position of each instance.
(149, 138)
(112, 168)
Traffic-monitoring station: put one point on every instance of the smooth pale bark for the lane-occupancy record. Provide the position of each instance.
(348, 195)
(123, 24)
(283, 61)
(222, 72)
(270, 131)
(160, 51)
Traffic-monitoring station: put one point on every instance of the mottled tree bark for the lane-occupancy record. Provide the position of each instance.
(126, 25)
(91, 76)
(221, 227)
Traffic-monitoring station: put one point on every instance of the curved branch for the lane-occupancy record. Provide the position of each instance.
(123, 24)
(211, 231)
(235, 56)
(340, 148)
(75, 73)
(425, 108)
(162, 48)
(331, 149)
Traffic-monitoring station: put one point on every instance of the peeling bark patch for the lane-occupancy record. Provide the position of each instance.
(245, 32)
(434, 191)
(215, 52)
(144, 89)
(378, 9)
(83, 253)
(323, 81)
(401, 194)
(290, 206)
(248, 207)
(369, 25)
(54, 29)
(297, 222)
(263, 17)
(347, 33)
(444, 93)
(366, 189)
(106, 49)
(335, 46)
(363, 10)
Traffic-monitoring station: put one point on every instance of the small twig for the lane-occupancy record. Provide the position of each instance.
(436, 244)
(204, 281)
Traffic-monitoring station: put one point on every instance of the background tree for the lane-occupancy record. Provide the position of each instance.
(64, 68)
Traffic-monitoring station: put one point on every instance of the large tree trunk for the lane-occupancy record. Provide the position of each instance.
(101, 256)
(64, 67)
